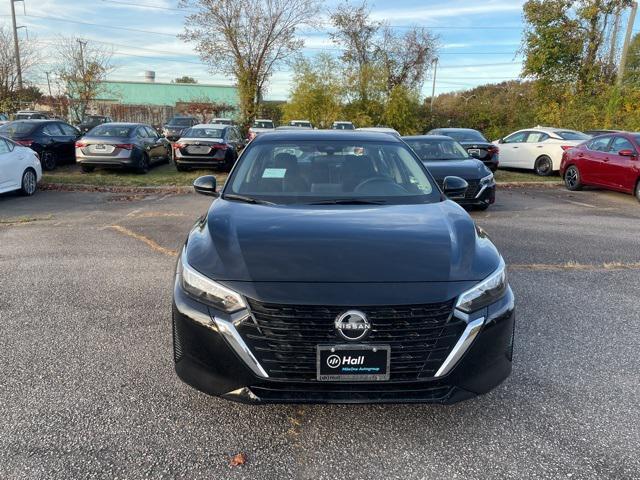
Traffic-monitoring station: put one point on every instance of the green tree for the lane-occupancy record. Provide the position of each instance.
(564, 41)
(317, 91)
(632, 69)
(402, 111)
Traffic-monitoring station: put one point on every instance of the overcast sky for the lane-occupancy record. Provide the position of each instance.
(479, 41)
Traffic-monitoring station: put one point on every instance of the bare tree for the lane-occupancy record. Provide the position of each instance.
(81, 68)
(9, 95)
(247, 39)
(406, 57)
(372, 48)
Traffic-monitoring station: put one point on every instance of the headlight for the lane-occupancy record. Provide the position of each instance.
(206, 290)
(488, 180)
(486, 292)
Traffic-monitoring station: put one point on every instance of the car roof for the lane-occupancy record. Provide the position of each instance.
(548, 129)
(455, 129)
(211, 125)
(427, 137)
(327, 135)
(125, 124)
(37, 120)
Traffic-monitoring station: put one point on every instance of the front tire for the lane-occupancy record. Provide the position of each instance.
(29, 183)
(638, 190)
(543, 166)
(572, 179)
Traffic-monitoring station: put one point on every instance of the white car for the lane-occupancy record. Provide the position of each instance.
(539, 149)
(379, 129)
(20, 168)
(260, 125)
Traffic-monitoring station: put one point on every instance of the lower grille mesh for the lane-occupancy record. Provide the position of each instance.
(177, 343)
(284, 337)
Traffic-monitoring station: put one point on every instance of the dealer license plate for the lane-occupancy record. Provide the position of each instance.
(351, 363)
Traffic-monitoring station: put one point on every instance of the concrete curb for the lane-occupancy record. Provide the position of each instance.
(79, 187)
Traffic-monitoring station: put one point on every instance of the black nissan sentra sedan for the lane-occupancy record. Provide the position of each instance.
(444, 157)
(332, 268)
(474, 143)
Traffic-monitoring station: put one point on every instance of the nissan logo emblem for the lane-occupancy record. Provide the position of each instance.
(352, 325)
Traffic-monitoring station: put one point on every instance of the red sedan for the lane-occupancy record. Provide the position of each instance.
(608, 161)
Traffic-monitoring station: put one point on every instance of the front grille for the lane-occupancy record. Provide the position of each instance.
(472, 191)
(177, 343)
(284, 337)
(353, 393)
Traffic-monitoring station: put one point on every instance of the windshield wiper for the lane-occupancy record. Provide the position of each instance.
(242, 198)
(349, 201)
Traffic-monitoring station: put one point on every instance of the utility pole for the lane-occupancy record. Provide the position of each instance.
(82, 45)
(627, 40)
(16, 46)
(48, 83)
(433, 87)
(614, 39)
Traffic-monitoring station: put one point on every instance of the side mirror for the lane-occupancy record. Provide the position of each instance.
(501, 140)
(627, 153)
(206, 185)
(454, 186)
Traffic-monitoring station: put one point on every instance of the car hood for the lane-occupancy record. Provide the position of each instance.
(435, 242)
(470, 169)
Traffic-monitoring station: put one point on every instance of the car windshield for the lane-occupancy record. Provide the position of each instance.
(464, 135)
(263, 124)
(204, 133)
(17, 128)
(107, 130)
(437, 149)
(570, 135)
(330, 171)
(300, 124)
(185, 121)
(343, 126)
(92, 118)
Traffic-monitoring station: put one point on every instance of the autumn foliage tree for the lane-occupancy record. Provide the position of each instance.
(81, 67)
(247, 39)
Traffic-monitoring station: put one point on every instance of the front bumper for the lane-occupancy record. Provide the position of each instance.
(209, 359)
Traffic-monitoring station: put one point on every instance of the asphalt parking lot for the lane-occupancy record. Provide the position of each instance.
(88, 389)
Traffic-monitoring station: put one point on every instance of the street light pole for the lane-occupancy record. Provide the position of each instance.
(433, 87)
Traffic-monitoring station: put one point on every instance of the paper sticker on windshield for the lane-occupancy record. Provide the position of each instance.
(274, 172)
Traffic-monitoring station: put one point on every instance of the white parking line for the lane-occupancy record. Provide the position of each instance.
(581, 204)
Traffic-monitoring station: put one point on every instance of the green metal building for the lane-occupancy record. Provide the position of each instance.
(153, 93)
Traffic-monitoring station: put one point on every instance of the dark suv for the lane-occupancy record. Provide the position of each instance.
(91, 121)
(172, 131)
(332, 268)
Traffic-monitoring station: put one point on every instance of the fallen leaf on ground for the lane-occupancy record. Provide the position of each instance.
(238, 459)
